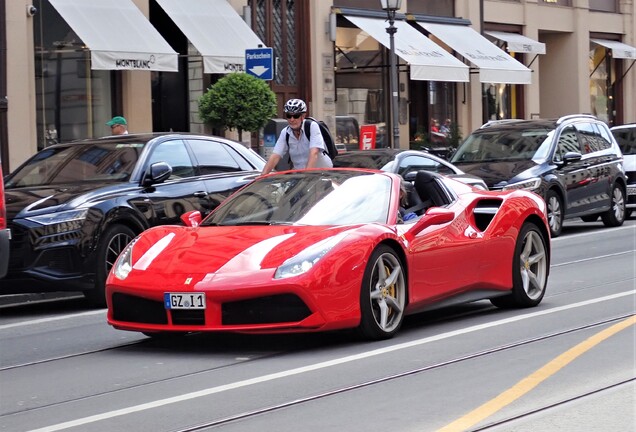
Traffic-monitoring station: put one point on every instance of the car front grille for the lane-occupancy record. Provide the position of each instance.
(265, 310)
(135, 309)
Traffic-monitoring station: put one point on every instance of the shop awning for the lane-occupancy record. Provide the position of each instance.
(495, 65)
(619, 49)
(428, 61)
(118, 35)
(518, 43)
(215, 30)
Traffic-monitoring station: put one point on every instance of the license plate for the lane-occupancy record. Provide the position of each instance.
(184, 300)
(631, 191)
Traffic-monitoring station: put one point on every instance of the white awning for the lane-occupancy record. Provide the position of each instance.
(215, 30)
(519, 43)
(495, 65)
(619, 49)
(118, 35)
(429, 61)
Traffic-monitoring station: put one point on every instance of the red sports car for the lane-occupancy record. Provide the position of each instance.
(328, 249)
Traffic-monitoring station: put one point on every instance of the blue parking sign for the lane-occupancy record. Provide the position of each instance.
(260, 63)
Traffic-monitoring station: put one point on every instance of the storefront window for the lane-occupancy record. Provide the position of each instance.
(360, 94)
(601, 91)
(72, 101)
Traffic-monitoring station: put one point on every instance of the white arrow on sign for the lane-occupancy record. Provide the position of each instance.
(259, 70)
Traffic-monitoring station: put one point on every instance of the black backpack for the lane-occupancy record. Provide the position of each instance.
(330, 145)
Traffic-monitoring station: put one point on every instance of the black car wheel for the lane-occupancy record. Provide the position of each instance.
(529, 270)
(112, 243)
(383, 295)
(615, 216)
(555, 212)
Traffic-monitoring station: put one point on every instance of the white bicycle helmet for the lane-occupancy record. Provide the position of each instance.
(295, 106)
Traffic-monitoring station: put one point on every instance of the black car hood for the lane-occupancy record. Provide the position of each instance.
(495, 174)
(32, 201)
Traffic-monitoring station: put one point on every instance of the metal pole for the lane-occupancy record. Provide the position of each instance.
(394, 86)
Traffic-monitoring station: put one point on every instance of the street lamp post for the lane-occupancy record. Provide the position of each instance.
(391, 6)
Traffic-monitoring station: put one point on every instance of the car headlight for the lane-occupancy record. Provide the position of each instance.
(531, 185)
(308, 258)
(124, 265)
(61, 222)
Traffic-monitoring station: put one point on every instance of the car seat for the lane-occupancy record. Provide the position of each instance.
(428, 187)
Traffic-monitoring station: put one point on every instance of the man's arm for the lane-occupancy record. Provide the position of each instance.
(271, 163)
(314, 153)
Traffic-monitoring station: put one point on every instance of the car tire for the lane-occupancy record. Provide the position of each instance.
(615, 216)
(556, 212)
(113, 241)
(382, 295)
(530, 270)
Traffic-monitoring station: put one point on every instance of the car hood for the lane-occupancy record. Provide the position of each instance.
(496, 173)
(33, 201)
(218, 251)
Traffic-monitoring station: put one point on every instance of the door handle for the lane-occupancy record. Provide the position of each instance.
(200, 194)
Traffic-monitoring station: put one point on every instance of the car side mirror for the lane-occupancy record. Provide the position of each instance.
(433, 216)
(410, 176)
(192, 218)
(157, 173)
(570, 157)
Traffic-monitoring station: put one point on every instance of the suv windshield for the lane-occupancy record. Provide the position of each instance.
(503, 145)
(76, 163)
(626, 138)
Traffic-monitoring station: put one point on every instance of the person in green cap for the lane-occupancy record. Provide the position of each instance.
(118, 125)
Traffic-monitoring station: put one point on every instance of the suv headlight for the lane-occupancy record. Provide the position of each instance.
(305, 260)
(531, 185)
(61, 222)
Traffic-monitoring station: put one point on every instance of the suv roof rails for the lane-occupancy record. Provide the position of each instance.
(574, 116)
(498, 122)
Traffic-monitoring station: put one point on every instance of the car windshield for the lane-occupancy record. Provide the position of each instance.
(308, 198)
(504, 145)
(626, 141)
(73, 163)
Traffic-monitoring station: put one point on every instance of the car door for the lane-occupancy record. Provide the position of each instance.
(222, 169)
(183, 191)
(601, 163)
(574, 175)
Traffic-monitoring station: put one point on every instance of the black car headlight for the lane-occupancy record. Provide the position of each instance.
(530, 185)
(61, 222)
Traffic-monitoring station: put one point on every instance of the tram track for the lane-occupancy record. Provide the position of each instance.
(414, 371)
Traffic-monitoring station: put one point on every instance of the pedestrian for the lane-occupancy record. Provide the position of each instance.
(445, 129)
(434, 125)
(303, 152)
(118, 125)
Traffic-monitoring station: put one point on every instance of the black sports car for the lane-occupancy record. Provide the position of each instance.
(72, 208)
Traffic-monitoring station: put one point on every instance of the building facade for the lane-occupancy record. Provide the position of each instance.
(464, 61)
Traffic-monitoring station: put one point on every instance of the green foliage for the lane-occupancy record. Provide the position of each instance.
(238, 101)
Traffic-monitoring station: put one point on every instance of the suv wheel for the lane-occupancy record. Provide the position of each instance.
(615, 216)
(114, 241)
(555, 212)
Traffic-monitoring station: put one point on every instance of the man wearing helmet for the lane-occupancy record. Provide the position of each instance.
(303, 152)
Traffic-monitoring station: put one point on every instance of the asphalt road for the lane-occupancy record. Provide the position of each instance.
(567, 365)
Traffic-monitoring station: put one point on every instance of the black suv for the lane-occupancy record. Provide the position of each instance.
(72, 208)
(573, 162)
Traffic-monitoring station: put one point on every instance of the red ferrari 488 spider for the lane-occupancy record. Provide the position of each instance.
(328, 249)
